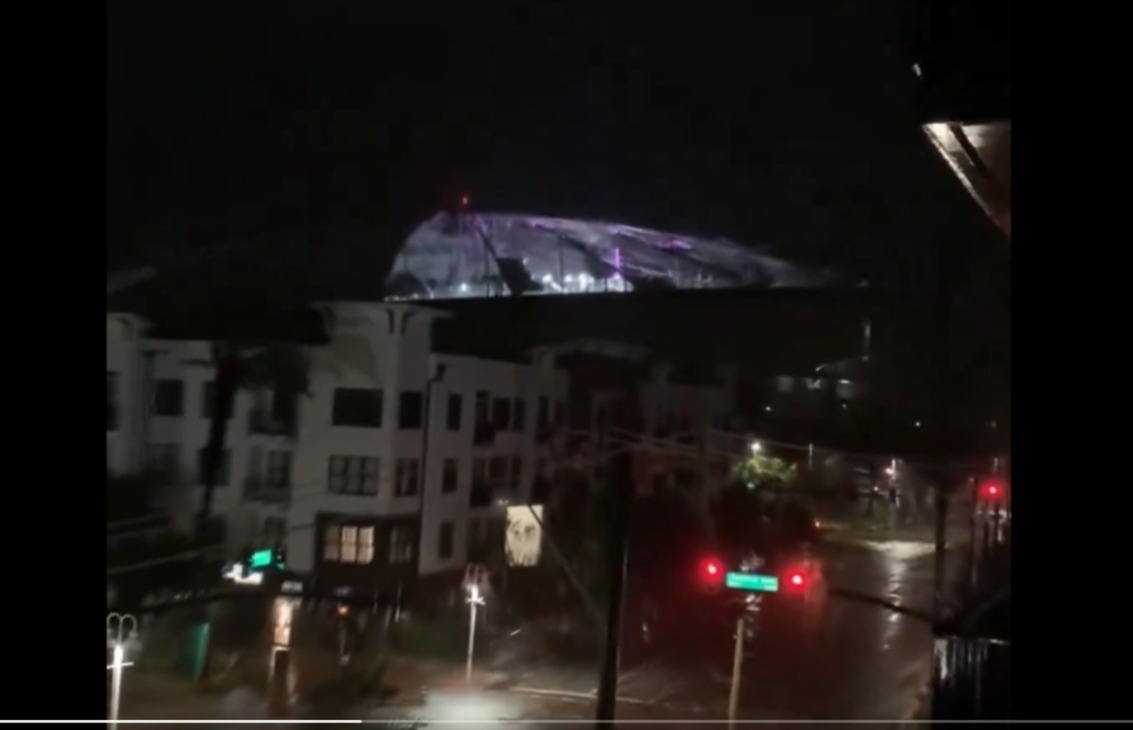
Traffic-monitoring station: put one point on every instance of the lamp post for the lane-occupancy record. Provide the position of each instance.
(474, 600)
(117, 634)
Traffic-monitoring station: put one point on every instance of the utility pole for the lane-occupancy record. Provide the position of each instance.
(737, 667)
(620, 489)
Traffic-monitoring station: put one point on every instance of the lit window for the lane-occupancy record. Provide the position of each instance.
(349, 544)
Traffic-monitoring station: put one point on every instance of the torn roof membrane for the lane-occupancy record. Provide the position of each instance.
(459, 255)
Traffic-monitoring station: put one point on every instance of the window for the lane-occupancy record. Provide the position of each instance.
(349, 544)
(274, 532)
(168, 398)
(481, 407)
(352, 475)
(543, 413)
(224, 469)
(208, 397)
(516, 472)
(479, 471)
(282, 406)
(444, 541)
(405, 478)
(518, 415)
(111, 401)
(410, 410)
(501, 413)
(161, 457)
(560, 413)
(477, 533)
(279, 469)
(452, 415)
(358, 407)
(449, 475)
(497, 472)
(401, 544)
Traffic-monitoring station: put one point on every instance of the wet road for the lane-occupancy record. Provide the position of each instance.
(834, 659)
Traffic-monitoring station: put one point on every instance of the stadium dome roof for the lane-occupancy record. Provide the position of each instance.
(461, 255)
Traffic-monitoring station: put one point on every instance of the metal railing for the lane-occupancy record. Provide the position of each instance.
(972, 657)
(483, 434)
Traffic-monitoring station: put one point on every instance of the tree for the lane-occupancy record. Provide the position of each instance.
(281, 367)
(760, 471)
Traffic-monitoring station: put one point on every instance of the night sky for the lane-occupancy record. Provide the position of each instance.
(338, 127)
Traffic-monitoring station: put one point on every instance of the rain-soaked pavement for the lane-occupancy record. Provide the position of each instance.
(834, 659)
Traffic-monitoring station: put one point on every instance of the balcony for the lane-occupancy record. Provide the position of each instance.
(258, 489)
(483, 434)
(480, 495)
(261, 422)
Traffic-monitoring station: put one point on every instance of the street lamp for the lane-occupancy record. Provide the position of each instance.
(117, 634)
(474, 600)
(756, 447)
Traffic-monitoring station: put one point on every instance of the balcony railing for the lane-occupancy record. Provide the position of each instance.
(257, 489)
(261, 422)
(483, 434)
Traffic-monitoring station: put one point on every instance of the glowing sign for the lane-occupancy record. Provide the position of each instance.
(752, 582)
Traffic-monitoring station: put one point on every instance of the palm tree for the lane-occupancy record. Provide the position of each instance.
(281, 367)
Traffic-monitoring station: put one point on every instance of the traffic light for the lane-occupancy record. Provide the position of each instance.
(712, 571)
(796, 580)
(991, 491)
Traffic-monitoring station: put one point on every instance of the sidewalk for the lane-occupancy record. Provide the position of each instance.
(152, 696)
(413, 676)
(407, 680)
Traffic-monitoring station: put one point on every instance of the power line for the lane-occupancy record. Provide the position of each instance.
(121, 524)
(162, 561)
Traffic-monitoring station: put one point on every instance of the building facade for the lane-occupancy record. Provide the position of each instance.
(399, 461)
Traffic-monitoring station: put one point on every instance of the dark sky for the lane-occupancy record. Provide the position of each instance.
(786, 123)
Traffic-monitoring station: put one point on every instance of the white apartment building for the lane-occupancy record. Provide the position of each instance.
(398, 461)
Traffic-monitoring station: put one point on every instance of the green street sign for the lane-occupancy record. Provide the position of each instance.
(752, 582)
(262, 559)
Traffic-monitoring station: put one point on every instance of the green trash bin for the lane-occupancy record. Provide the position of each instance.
(196, 655)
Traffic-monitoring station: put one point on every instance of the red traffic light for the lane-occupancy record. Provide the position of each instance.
(711, 569)
(991, 490)
(796, 579)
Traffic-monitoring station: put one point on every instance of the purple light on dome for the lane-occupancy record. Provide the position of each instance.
(618, 260)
